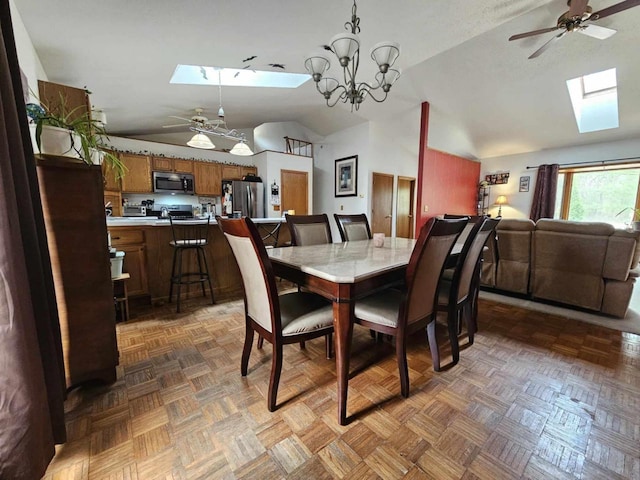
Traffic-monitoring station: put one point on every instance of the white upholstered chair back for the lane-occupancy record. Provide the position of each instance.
(253, 279)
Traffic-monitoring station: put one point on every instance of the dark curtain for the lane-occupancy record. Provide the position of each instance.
(544, 196)
(32, 386)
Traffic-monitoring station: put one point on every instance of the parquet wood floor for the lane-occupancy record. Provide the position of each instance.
(536, 397)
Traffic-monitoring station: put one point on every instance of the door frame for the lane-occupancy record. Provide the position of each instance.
(412, 204)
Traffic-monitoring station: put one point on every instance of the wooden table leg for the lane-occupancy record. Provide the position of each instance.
(343, 326)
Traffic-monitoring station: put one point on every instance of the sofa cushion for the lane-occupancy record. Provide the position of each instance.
(514, 254)
(582, 228)
(567, 267)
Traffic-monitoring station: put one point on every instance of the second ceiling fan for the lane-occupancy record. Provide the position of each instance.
(578, 19)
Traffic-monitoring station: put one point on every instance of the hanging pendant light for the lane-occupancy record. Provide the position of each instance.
(241, 148)
(199, 140)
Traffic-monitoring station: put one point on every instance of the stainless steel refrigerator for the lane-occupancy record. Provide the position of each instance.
(244, 197)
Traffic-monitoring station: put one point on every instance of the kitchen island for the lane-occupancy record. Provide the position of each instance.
(148, 256)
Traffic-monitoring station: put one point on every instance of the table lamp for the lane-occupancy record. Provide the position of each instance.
(501, 200)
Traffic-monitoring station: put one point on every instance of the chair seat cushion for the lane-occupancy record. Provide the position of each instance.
(381, 308)
(302, 312)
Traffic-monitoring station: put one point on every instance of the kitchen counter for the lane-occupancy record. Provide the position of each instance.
(148, 255)
(160, 222)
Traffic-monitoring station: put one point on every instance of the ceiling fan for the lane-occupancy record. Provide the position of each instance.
(574, 21)
(196, 120)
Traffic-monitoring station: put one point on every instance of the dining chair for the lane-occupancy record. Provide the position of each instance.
(309, 229)
(401, 312)
(353, 227)
(472, 220)
(458, 296)
(280, 319)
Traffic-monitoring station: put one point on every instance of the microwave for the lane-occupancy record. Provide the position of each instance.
(173, 182)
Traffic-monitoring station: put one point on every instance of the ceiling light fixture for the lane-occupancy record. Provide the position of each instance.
(200, 140)
(241, 148)
(219, 128)
(346, 47)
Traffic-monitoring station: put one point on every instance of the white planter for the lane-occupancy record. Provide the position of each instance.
(58, 141)
(97, 156)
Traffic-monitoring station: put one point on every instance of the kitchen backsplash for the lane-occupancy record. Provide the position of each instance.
(167, 199)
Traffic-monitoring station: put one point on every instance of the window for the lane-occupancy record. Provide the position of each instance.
(595, 100)
(598, 194)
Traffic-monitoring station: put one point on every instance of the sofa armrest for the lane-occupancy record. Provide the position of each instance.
(617, 296)
(619, 257)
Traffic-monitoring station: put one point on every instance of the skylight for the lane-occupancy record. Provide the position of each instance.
(595, 100)
(201, 75)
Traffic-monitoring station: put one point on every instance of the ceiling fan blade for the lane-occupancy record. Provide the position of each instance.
(618, 7)
(577, 8)
(539, 52)
(180, 118)
(532, 33)
(176, 125)
(595, 31)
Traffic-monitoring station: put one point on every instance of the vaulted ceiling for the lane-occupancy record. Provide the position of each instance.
(455, 54)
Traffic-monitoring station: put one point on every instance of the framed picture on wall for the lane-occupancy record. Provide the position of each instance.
(524, 184)
(347, 176)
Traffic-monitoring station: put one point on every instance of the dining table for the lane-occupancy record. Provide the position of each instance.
(343, 273)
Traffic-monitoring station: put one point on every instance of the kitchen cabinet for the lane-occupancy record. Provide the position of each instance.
(182, 166)
(248, 171)
(137, 178)
(132, 242)
(116, 203)
(208, 178)
(77, 239)
(111, 183)
(236, 172)
(231, 172)
(178, 165)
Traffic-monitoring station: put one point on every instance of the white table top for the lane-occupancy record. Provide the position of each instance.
(346, 262)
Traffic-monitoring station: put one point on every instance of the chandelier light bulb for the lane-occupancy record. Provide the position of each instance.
(345, 45)
(385, 54)
(316, 65)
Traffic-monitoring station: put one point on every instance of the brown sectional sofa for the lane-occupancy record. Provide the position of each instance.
(587, 265)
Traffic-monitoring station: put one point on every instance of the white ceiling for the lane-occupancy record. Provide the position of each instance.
(455, 54)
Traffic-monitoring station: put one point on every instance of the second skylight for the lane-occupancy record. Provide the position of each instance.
(202, 75)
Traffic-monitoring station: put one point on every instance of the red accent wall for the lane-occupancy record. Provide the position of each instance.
(446, 183)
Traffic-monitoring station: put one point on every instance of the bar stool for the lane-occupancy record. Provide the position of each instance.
(189, 235)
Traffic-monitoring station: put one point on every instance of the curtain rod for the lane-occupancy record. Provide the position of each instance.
(595, 162)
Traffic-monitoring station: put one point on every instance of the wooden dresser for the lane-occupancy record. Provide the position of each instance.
(72, 203)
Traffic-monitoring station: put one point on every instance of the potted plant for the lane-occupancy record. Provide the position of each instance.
(72, 133)
(635, 220)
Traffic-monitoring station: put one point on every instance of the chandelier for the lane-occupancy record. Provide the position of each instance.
(346, 47)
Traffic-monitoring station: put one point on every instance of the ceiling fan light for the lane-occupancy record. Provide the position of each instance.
(241, 149)
(385, 54)
(200, 140)
(345, 45)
